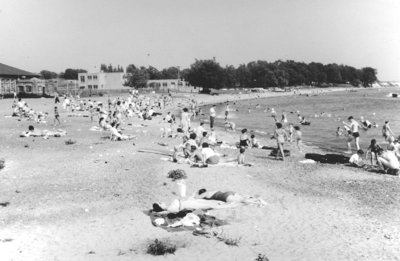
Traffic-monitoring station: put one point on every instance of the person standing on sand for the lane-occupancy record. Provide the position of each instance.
(354, 132)
(280, 136)
(56, 116)
(387, 131)
(213, 114)
(185, 120)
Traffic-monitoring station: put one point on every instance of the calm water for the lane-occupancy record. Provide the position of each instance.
(375, 105)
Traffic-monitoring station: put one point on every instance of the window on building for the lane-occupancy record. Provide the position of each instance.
(82, 78)
(180, 83)
(172, 83)
(95, 86)
(94, 77)
(164, 84)
(28, 88)
(82, 87)
(90, 86)
(89, 77)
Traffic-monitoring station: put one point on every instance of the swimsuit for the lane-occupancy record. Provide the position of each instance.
(222, 196)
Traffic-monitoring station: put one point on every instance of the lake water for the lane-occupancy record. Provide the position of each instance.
(376, 105)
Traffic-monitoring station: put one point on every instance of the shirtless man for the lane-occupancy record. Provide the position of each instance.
(354, 132)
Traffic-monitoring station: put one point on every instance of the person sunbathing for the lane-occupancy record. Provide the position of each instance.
(32, 132)
(191, 203)
(227, 196)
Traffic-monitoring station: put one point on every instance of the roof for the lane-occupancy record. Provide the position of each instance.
(6, 70)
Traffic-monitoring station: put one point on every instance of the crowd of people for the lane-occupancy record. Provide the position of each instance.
(387, 159)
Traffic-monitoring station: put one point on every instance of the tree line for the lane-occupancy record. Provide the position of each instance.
(209, 74)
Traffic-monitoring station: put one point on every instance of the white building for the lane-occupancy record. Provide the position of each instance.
(101, 81)
(176, 85)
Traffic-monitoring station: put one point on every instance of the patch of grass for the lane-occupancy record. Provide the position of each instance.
(177, 174)
(70, 142)
(227, 240)
(2, 163)
(261, 257)
(160, 248)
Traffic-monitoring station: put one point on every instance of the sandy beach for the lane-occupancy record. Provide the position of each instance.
(86, 201)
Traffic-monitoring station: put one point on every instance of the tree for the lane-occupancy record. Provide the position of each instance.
(170, 73)
(48, 74)
(243, 76)
(333, 74)
(368, 76)
(207, 74)
(137, 77)
(230, 76)
(72, 74)
(153, 73)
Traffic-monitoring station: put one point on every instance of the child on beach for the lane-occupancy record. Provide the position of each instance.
(356, 160)
(244, 139)
(241, 159)
(291, 132)
(56, 116)
(229, 125)
(241, 156)
(299, 137)
(280, 136)
(254, 142)
(373, 149)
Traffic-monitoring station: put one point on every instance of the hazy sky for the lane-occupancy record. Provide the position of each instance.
(57, 34)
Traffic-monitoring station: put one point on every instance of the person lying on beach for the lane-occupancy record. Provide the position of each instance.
(388, 162)
(32, 132)
(356, 159)
(229, 125)
(227, 197)
(192, 203)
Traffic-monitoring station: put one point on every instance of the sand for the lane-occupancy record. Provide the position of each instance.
(85, 201)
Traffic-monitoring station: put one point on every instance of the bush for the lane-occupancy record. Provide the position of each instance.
(70, 142)
(177, 174)
(159, 248)
(261, 257)
(2, 163)
(26, 95)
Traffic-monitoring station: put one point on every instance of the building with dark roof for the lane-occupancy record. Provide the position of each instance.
(9, 77)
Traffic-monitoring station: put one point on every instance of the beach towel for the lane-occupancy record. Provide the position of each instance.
(184, 220)
(328, 158)
(274, 152)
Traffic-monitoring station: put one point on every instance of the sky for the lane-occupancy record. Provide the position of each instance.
(58, 34)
